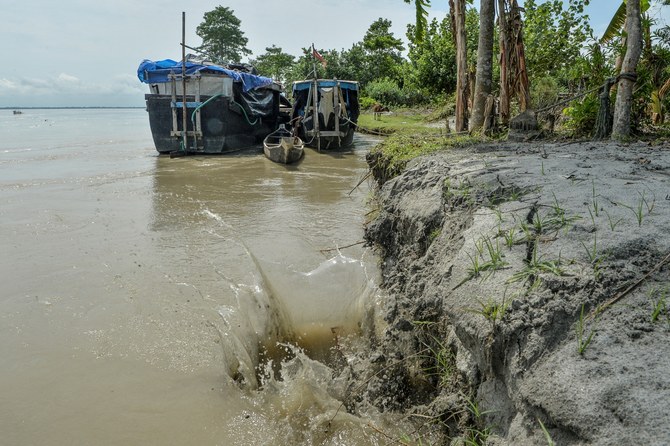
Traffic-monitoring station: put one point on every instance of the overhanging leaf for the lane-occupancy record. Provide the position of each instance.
(617, 23)
(421, 18)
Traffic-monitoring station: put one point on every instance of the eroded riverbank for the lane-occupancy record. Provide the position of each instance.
(528, 288)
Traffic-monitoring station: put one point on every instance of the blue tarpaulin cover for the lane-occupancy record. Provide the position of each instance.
(156, 72)
(325, 83)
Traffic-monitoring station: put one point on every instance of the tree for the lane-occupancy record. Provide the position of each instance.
(457, 8)
(274, 63)
(383, 49)
(558, 34)
(458, 29)
(484, 76)
(513, 74)
(356, 63)
(222, 39)
(624, 98)
(434, 59)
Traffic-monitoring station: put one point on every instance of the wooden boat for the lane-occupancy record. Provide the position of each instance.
(281, 146)
(222, 108)
(326, 112)
(196, 106)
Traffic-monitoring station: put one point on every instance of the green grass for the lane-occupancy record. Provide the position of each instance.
(476, 436)
(409, 136)
(401, 147)
(396, 121)
(583, 339)
(547, 436)
(442, 361)
(534, 268)
(658, 298)
(479, 263)
(639, 208)
(491, 310)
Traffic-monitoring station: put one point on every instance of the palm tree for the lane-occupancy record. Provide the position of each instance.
(624, 98)
(484, 76)
(457, 8)
(462, 88)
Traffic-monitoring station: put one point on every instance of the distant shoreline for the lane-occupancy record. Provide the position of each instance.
(66, 108)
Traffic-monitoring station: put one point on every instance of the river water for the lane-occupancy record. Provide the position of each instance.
(148, 300)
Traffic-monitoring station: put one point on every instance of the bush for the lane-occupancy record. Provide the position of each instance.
(581, 116)
(544, 92)
(366, 102)
(385, 91)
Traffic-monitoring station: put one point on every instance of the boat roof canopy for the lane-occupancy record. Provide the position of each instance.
(326, 83)
(158, 72)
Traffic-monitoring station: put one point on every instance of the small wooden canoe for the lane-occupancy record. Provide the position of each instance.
(282, 147)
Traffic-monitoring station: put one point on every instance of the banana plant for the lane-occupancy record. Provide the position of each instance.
(616, 24)
(421, 18)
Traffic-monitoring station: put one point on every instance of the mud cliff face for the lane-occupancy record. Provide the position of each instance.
(527, 291)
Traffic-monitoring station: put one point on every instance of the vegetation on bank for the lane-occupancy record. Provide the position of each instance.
(409, 133)
(563, 59)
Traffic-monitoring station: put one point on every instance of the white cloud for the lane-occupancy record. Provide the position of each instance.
(7, 85)
(64, 77)
(66, 83)
(68, 90)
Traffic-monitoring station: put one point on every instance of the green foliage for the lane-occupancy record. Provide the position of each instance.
(616, 25)
(366, 102)
(386, 91)
(274, 63)
(434, 60)
(222, 39)
(353, 65)
(544, 92)
(583, 339)
(581, 116)
(383, 50)
(558, 33)
(421, 18)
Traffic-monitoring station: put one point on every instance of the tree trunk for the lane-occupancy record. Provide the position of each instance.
(484, 79)
(503, 41)
(522, 85)
(462, 89)
(624, 98)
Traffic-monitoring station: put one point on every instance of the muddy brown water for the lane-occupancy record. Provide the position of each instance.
(137, 291)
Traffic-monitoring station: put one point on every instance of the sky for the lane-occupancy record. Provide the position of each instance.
(86, 52)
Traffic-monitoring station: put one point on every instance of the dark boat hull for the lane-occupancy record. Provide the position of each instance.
(224, 124)
(326, 112)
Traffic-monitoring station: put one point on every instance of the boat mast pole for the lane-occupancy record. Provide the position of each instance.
(315, 98)
(184, 121)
